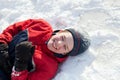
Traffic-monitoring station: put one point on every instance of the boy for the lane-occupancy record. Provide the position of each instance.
(32, 50)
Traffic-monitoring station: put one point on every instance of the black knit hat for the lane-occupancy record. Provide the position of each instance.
(81, 43)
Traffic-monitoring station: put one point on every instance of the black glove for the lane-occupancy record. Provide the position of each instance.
(4, 49)
(23, 53)
(5, 64)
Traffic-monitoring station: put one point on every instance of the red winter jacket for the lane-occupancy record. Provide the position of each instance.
(38, 31)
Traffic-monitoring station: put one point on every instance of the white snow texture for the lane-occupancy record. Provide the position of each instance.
(99, 18)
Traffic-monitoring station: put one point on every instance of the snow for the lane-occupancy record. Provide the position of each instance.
(99, 18)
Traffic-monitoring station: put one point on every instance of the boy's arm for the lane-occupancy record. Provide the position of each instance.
(19, 75)
(36, 75)
(7, 35)
(43, 71)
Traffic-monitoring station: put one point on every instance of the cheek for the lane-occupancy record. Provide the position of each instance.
(49, 45)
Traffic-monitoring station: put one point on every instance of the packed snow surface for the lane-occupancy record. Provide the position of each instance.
(99, 18)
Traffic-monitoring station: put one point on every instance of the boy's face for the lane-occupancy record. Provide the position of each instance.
(61, 43)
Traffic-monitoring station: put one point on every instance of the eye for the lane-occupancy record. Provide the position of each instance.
(62, 38)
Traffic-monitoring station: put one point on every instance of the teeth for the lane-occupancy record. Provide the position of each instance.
(54, 45)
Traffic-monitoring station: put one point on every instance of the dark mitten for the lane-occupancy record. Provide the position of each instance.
(4, 49)
(4, 59)
(23, 53)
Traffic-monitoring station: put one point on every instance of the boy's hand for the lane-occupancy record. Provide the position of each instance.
(4, 49)
(5, 64)
(23, 53)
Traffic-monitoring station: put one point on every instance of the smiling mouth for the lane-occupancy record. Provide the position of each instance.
(53, 44)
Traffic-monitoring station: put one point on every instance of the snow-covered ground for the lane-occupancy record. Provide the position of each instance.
(99, 18)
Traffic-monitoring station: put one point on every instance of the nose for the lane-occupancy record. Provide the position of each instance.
(60, 44)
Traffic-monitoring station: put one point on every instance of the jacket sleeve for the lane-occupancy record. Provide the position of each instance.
(41, 74)
(7, 35)
(45, 69)
(19, 75)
